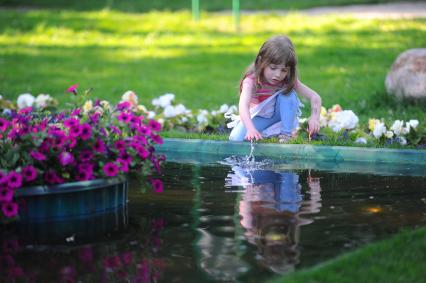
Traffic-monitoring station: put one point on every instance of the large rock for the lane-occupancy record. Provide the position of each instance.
(407, 77)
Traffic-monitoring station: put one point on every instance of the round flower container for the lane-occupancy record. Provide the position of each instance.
(82, 210)
(72, 200)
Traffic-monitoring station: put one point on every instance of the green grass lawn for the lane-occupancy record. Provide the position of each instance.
(164, 5)
(344, 59)
(399, 259)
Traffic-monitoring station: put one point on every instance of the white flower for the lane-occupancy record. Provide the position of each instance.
(181, 109)
(88, 105)
(223, 108)
(379, 129)
(164, 100)
(184, 119)
(25, 100)
(105, 105)
(389, 134)
(151, 114)
(202, 117)
(402, 140)
(397, 127)
(361, 140)
(214, 113)
(42, 100)
(1, 97)
(413, 123)
(142, 108)
(343, 120)
(169, 111)
(405, 130)
(131, 97)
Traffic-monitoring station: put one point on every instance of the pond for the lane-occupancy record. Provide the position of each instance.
(219, 221)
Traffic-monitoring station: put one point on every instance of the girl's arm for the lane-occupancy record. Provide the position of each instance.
(315, 99)
(244, 109)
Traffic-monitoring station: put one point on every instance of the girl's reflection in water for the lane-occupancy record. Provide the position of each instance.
(271, 211)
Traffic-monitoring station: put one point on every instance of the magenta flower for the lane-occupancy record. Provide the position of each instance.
(157, 185)
(123, 105)
(6, 195)
(154, 125)
(73, 89)
(75, 131)
(86, 254)
(126, 157)
(85, 155)
(14, 180)
(10, 209)
(66, 158)
(37, 155)
(86, 132)
(144, 130)
(30, 173)
(99, 146)
(112, 262)
(142, 152)
(115, 130)
(156, 139)
(71, 122)
(124, 117)
(110, 169)
(3, 177)
(120, 145)
(4, 124)
(51, 177)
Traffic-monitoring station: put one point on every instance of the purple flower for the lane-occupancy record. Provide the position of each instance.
(3, 177)
(30, 173)
(142, 152)
(94, 117)
(144, 130)
(99, 146)
(126, 157)
(84, 172)
(70, 122)
(120, 145)
(157, 185)
(110, 169)
(156, 139)
(51, 177)
(85, 155)
(86, 254)
(14, 180)
(75, 131)
(123, 105)
(66, 158)
(4, 124)
(115, 130)
(124, 117)
(154, 125)
(86, 132)
(10, 209)
(6, 195)
(73, 89)
(112, 262)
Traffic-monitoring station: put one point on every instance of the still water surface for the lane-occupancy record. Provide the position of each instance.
(220, 222)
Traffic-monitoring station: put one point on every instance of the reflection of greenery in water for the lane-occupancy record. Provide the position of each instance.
(211, 232)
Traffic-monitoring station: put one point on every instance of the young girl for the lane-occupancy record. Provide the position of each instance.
(273, 76)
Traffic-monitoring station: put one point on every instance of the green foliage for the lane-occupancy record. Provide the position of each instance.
(399, 259)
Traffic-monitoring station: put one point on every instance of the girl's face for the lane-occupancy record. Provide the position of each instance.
(275, 74)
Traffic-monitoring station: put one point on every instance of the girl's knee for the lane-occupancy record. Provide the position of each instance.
(290, 98)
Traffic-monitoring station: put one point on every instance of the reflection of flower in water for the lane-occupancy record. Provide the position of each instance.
(91, 263)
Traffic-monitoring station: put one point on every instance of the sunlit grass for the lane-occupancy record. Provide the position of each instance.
(345, 59)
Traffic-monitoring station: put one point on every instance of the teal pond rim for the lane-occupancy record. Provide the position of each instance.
(303, 156)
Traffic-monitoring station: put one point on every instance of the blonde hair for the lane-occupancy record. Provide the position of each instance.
(277, 50)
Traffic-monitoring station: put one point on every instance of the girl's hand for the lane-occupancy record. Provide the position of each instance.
(313, 125)
(253, 134)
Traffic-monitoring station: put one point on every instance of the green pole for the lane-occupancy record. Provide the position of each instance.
(236, 13)
(195, 10)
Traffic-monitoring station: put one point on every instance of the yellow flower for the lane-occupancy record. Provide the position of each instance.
(372, 124)
(88, 105)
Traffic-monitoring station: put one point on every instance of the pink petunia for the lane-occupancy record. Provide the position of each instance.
(120, 145)
(66, 158)
(110, 169)
(124, 117)
(73, 89)
(10, 209)
(86, 132)
(4, 124)
(75, 131)
(6, 195)
(99, 146)
(37, 155)
(14, 180)
(154, 125)
(30, 173)
(157, 185)
(156, 139)
(70, 122)
(3, 177)
(85, 155)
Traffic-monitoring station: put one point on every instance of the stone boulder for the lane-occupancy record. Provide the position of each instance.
(407, 77)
